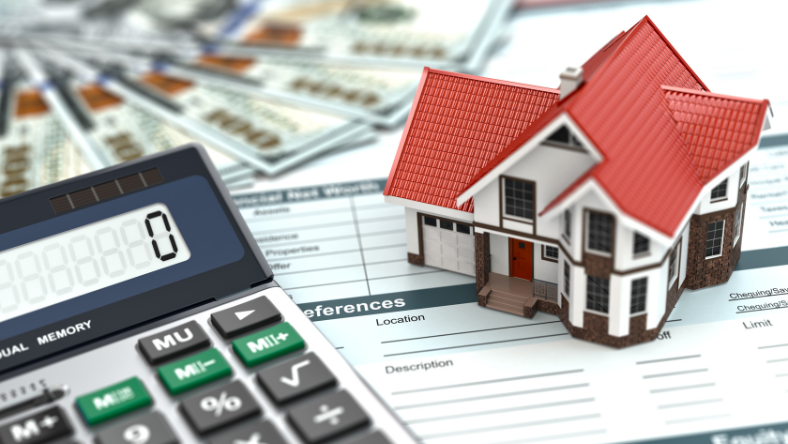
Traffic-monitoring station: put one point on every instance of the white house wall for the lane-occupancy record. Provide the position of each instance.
(499, 254)
(412, 230)
(625, 247)
(545, 271)
(684, 254)
(707, 206)
(553, 169)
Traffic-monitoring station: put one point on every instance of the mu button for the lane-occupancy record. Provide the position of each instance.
(174, 342)
(245, 317)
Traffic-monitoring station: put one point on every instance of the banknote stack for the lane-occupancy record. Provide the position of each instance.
(264, 85)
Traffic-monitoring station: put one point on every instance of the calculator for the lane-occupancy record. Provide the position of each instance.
(136, 308)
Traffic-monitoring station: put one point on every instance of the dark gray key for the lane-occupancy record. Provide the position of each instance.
(34, 429)
(258, 433)
(245, 317)
(219, 407)
(295, 378)
(174, 342)
(327, 417)
(375, 438)
(149, 429)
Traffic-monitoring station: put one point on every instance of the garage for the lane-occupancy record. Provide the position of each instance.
(448, 245)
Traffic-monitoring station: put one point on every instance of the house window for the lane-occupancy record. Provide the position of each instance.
(737, 224)
(431, 221)
(567, 280)
(597, 294)
(551, 252)
(714, 238)
(638, 301)
(600, 228)
(568, 224)
(641, 244)
(672, 265)
(519, 198)
(564, 137)
(720, 191)
(743, 173)
(461, 228)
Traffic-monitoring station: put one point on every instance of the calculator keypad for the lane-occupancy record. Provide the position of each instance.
(217, 408)
(295, 378)
(149, 429)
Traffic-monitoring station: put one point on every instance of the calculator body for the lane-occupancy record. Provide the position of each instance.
(121, 277)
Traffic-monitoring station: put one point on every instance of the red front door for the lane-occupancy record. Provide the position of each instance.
(521, 260)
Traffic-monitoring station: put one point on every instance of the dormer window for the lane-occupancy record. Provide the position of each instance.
(564, 138)
(519, 198)
(600, 233)
(641, 245)
(720, 192)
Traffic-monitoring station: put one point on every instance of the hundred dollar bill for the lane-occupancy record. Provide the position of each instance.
(34, 149)
(265, 134)
(122, 130)
(416, 31)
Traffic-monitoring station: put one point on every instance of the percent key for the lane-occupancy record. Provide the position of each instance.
(219, 407)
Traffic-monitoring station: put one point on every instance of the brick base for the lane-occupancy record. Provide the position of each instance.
(416, 259)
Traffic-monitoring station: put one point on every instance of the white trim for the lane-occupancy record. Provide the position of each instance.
(525, 236)
(462, 216)
(537, 139)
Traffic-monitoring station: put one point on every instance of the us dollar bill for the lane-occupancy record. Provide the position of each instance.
(392, 31)
(34, 148)
(265, 134)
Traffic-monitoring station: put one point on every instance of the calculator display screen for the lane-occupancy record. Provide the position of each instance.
(89, 258)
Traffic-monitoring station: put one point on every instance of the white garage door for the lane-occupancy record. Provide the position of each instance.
(448, 245)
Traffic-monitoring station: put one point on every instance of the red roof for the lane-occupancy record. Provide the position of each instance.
(457, 124)
(661, 134)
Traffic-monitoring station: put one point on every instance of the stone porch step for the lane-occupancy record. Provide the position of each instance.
(504, 302)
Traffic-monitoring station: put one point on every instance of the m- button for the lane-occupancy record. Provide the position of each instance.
(245, 317)
(174, 342)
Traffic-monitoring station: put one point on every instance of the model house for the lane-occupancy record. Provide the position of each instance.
(600, 201)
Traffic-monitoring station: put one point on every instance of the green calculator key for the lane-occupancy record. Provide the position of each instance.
(194, 371)
(113, 401)
(268, 344)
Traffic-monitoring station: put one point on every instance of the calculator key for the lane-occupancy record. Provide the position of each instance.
(296, 377)
(261, 432)
(113, 401)
(219, 407)
(174, 342)
(375, 438)
(194, 371)
(327, 417)
(149, 429)
(41, 427)
(245, 317)
(268, 344)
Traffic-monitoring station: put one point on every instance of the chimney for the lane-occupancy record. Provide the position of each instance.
(571, 78)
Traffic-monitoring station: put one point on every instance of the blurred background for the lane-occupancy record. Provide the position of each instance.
(299, 92)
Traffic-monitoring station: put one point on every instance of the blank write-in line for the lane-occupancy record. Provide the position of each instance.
(684, 387)
(499, 395)
(473, 345)
(782, 375)
(697, 418)
(497, 411)
(511, 426)
(772, 346)
(685, 372)
(674, 320)
(772, 361)
(465, 332)
(690, 403)
(554, 437)
(489, 381)
(677, 358)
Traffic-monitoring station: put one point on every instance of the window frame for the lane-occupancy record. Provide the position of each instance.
(588, 299)
(721, 239)
(502, 203)
(547, 258)
(737, 223)
(722, 197)
(567, 229)
(743, 173)
(632, 296)
(640, 254)
(588, 234)
(567, 279)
